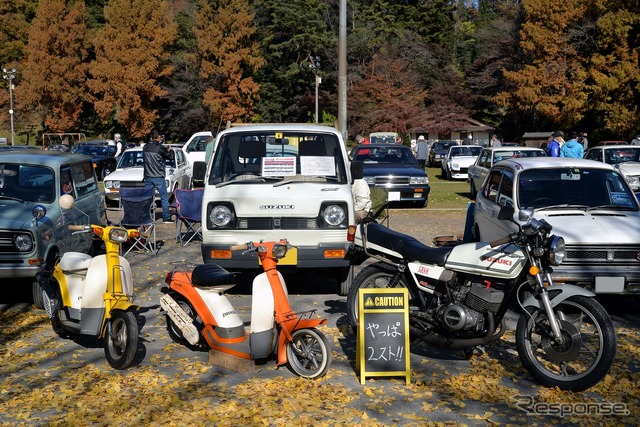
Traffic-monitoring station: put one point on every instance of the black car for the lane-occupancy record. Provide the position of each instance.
(394, 169)
(102, 157)
(437, 151)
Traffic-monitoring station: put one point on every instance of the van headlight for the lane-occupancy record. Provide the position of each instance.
(220, 216)
(334, 214)
(23, 242)
(557, 250)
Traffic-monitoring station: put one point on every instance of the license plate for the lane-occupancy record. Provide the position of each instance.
(291, 258)
(394, 195)
(609, 285)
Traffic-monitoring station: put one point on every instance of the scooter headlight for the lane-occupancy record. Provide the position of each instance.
(119, 235)
(557, 250)
(279, 251)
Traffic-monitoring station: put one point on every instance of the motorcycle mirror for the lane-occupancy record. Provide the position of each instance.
(66, 201)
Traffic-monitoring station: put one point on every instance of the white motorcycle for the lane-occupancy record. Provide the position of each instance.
(459, 297)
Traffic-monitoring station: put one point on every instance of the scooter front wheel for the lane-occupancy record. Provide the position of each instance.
(308, 353)
(121, 345)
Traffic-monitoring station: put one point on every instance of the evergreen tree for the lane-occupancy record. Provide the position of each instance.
(55, 69)
(131, 56)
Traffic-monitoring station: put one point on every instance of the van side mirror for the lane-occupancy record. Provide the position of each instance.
(357, 170)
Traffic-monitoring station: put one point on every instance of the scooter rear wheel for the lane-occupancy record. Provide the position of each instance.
(308, 353)
(121, 345)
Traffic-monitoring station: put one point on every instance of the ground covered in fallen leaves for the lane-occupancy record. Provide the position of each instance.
(46, 380)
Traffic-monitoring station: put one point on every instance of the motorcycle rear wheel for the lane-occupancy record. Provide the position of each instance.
(376, 275)
(308, 353)
(121, 345)
(587, 353)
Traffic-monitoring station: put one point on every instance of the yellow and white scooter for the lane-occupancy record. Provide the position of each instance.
(92, 296)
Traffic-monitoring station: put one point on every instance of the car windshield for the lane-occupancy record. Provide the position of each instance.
(589, 188)
(135, 159)
(382, 139)
(93, 150)
(268, 157)
(443, 145)
(392, 155)
(465, 151)
(509, 154)
(614, 156)
(27, 183)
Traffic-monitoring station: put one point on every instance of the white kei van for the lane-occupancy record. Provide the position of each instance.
(279, 181)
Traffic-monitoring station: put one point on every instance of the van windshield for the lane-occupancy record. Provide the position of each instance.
(265, 157)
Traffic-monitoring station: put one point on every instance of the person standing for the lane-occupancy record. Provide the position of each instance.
(118, 140)
(553, 149)
(585, 142)
(468, 140)
(636, 140)
(154, 155)
(422, 151)
(361, 192)
(495, 142)
(572, 148)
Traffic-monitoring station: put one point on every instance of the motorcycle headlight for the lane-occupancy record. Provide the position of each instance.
(119, 235)
(221, 216)
(279, 251)
(333, 215)
(557, 250)
(23, 242)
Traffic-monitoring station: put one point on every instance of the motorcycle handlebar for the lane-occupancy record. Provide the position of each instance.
(502, 241)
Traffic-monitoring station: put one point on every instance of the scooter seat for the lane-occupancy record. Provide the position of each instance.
(75, 262)
(407, 246)
(212, 275)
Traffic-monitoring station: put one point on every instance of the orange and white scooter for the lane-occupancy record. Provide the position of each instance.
(199, 314)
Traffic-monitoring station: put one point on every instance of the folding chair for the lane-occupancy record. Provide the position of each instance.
(188, 213)
(138, 211)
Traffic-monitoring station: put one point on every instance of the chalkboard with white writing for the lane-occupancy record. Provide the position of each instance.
(383, 333)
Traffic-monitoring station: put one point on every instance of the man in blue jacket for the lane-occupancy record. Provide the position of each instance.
(572, 148)
(553, 149)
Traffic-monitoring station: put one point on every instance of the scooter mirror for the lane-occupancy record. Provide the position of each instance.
(66, 201)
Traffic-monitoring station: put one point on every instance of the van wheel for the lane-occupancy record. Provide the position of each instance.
(345, 282)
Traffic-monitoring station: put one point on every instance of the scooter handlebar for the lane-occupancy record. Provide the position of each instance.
(77, 227)
(238, 247)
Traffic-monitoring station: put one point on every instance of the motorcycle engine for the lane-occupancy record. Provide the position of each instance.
(468, 312)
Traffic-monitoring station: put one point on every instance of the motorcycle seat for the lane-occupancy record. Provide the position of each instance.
(212, 275)
(75, 262)
(409, 247)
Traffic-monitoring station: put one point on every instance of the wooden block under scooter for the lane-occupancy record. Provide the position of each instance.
(231, 362)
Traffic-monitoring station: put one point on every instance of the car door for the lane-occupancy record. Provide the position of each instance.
(184, 170)
(476, 170)
(497, 191)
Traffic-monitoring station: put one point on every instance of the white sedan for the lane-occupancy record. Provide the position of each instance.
(458, 159)
(130, 173)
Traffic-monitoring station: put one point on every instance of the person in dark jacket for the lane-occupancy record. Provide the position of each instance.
(154, 155)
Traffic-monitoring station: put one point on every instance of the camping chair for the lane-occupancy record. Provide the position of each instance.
(138, 211)
(189, 214)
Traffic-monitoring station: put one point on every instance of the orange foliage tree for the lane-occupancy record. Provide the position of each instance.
(55, 69)
(229, 56)
(131, 56)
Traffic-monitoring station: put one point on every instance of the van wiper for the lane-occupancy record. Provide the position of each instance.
(308, 178)
(256, 180)
(561, 206)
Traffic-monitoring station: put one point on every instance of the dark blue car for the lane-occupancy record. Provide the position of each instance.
(102, 157)
(395, 169)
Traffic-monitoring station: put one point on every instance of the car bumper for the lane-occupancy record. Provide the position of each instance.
(416, 194)
(307, 257)
(600, 280)
(459, 175)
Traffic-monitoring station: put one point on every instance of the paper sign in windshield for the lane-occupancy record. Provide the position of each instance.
(278, 166)
(317, 165)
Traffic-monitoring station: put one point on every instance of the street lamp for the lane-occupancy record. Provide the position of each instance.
(314, 62)
(9, 75)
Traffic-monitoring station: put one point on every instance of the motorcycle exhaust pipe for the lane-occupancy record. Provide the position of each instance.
(459, 343)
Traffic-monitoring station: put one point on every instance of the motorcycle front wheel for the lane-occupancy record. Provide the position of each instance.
(308, 353)
(121, 345)
(378, 275)
(585, 353)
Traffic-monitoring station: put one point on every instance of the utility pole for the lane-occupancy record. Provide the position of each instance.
(314, 62)
(9, 75)
(342, 71)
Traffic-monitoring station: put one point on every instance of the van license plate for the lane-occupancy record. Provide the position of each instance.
(609, 285)
(291, 258)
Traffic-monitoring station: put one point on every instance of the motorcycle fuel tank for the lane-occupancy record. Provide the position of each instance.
(504, 262)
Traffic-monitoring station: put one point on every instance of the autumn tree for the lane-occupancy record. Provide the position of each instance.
(55, 69)
(229, 55)
(386, 98)
(131, 56)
